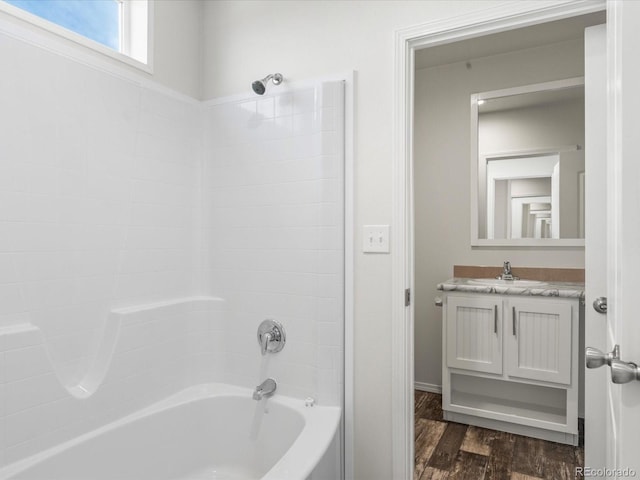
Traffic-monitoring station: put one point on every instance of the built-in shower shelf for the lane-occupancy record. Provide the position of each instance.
(140, 328)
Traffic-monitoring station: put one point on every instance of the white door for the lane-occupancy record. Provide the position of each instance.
(624, 225)
(613, 443)
(596, 381)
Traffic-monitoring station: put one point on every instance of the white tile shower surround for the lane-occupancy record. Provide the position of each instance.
(149, 352)
(109, 201)
(98, 201)
(273, 196)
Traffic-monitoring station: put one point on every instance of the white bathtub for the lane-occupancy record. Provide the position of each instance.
(205, 432)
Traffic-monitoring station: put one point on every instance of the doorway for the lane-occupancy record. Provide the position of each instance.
(456, 57)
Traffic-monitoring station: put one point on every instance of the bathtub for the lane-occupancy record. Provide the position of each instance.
(212, 432)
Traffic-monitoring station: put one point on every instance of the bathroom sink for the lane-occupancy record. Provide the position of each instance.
(511, 283)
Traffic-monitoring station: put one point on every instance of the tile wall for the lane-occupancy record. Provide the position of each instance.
(273, 208)
(98, 210)
(187, 223)
(97, 202)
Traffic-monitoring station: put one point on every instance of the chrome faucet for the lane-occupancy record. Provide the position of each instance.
(506, 272)
(271, 336)
(265, 339)
(265, 389)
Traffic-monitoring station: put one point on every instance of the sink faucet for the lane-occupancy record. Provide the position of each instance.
(506, 272)
(265, 389)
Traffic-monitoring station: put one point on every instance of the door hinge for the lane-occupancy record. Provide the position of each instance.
(407, 297)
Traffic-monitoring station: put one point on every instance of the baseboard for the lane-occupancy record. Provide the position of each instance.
(427, 387)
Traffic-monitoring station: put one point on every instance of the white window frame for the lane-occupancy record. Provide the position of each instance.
(136, 32)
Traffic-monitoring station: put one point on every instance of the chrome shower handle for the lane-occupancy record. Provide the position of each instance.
(271, 336)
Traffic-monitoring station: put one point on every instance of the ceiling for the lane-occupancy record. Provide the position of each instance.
(519, 39)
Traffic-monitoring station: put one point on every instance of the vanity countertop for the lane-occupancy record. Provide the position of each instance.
(511, 287)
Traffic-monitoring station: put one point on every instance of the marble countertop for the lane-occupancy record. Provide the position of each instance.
(514, 287)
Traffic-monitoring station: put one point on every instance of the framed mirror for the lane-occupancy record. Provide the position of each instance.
(527, 165)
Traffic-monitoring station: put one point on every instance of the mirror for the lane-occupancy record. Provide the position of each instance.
(527, 165)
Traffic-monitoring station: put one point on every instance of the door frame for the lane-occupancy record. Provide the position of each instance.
(480, 22)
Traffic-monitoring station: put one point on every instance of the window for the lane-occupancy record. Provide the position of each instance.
(119, 25)
(98, 19)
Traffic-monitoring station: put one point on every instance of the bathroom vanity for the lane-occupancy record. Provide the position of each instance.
(510, 356)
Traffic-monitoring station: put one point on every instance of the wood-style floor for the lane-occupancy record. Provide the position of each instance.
(448, 450)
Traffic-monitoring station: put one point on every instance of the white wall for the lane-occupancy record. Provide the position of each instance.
(302, 40)
(442, 208)
(178, 45)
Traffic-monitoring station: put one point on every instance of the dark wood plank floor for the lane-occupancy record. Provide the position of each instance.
(452, 451)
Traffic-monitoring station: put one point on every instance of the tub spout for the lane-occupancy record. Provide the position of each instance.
(265, 389)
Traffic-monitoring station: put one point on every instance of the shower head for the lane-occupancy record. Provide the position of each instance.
(260, 86)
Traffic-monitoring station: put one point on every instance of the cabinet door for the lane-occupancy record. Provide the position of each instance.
(474, 333)
(538, 340)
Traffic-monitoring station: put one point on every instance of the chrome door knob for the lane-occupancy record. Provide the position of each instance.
(595, 358)
(624, 372)
(600, 304)
(621, 372)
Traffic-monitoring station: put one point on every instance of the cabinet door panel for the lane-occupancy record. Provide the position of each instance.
(538, 341)
(474, 334)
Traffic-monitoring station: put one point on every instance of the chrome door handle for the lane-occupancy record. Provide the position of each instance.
(621, 372)
(595, 358)
(624, 372)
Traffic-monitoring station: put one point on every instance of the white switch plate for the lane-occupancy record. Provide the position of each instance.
(375, 239)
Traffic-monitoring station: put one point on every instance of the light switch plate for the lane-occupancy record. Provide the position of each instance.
(375, 239)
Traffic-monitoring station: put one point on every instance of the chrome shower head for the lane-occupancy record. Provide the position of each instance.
(260, 86)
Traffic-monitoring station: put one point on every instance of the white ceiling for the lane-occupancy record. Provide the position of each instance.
(519, 39)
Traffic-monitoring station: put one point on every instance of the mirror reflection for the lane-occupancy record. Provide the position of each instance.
(530, 162)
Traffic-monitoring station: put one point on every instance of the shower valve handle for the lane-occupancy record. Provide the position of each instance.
(271, 336)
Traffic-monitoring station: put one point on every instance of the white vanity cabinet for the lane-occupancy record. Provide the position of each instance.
(538, 340)
(510, 363)
(474, 333)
